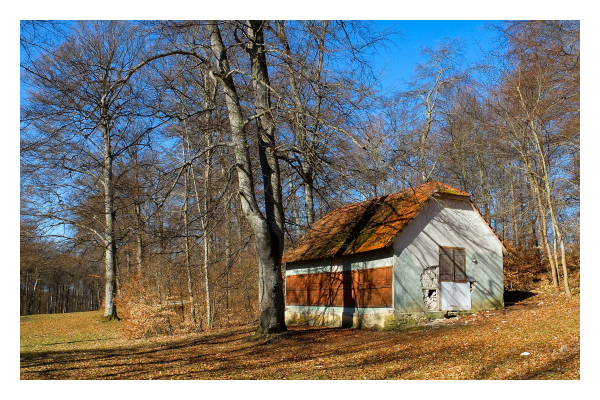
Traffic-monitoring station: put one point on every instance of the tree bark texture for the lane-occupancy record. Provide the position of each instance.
(272, 304)
(269, 251)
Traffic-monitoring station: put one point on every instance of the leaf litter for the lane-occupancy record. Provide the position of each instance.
(77, 346)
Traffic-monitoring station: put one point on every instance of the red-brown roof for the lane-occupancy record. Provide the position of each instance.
(365, 226)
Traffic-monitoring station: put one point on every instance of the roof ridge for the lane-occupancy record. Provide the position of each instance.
(365, 225)
(406, 190)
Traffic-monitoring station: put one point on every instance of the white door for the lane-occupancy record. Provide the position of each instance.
(456, 296)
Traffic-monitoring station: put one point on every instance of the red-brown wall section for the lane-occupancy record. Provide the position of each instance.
(359, 288)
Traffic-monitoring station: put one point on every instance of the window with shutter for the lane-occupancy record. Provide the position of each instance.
(452, 264)
(460, 269)
(446, 268)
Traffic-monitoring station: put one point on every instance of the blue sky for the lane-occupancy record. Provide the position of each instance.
(402, 58)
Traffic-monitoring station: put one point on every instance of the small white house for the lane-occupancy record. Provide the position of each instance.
(419, 253)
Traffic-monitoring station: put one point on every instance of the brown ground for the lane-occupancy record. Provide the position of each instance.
(486, 345)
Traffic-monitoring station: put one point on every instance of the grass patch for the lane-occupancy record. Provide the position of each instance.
(486, 345)
(40, 333)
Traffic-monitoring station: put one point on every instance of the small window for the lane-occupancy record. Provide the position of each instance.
(452, 264)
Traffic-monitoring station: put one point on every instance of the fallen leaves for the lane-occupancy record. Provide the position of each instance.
(74, 346)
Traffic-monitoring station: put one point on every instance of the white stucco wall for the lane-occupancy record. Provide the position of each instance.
(452, 223)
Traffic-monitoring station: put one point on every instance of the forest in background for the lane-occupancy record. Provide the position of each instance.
(166, 165)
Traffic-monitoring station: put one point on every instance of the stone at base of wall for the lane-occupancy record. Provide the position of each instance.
(360, 319)
(338, 318)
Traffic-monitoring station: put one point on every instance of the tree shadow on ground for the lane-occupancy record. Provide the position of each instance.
(315, 353)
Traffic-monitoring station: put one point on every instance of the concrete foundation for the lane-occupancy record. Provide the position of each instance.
(340, 317)
(384, 319)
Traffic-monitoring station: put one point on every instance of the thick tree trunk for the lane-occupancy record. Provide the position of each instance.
(272, 318)
(269, 251)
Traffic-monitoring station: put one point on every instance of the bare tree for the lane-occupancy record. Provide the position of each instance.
(432, 82)
(77, 121)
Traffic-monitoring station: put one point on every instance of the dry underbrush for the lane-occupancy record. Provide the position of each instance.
(525, 270)
(144, 316)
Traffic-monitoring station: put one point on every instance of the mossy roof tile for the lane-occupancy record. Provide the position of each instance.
(365, 226)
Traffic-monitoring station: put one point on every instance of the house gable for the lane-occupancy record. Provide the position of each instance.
(452, 223)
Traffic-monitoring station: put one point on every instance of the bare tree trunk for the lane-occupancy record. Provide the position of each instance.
(558, 238)
(484, 192)
(204, 221)
(269, 248)
(228, 259)
(188, 264)
(118, 277)
(205, 228)
(553, 272)
(555, 247)
(98, 301)
(110, 250)
(33, 294)
(50, 301)
(138, 215)
(272, 317)
(25, 302)
(309, 207)
(534, 128)
(544, 230)
(206, 244)
(423, 141)
(301, 120)
(139, 252)
(556, 230)
(565, 272)
(297, 221)
(513, 213)
(227, 264)
(66, 292)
